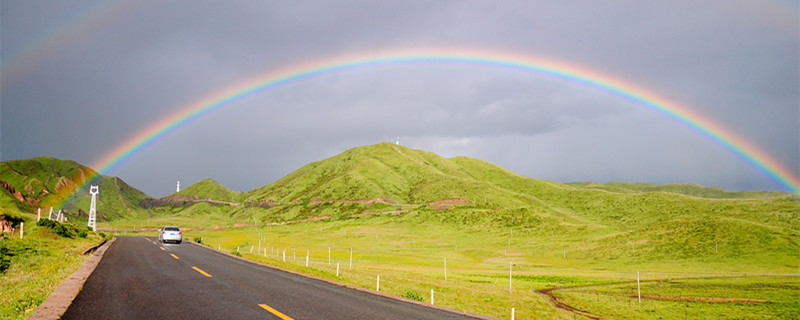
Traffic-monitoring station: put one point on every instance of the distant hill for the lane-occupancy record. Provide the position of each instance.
(394, 174)
(207, 190)
(43, 182)
(687, 189)
(210, 189)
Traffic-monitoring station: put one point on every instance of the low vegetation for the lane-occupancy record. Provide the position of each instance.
(32, 267)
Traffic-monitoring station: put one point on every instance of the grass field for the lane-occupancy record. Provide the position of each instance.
(38, 264)
(409, 257)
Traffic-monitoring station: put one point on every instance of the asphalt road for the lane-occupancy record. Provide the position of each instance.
(140, 279)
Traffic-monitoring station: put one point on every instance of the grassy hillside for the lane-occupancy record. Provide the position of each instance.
(210, 189)
(43, 182)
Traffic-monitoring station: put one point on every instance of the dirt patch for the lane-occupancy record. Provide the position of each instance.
(563, 306)
(447, 204)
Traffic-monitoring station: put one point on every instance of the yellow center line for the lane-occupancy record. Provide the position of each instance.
(162, 248)
(201, 271)
(275, 312)
(174, 256)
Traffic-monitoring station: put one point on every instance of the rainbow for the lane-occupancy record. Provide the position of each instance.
(540, 67)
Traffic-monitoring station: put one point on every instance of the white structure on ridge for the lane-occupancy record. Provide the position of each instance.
(178, 188)
(398, 141)
(93, 190)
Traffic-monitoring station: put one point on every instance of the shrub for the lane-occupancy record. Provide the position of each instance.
(63, 231)
(413, 295)
(198, 240)
(236, 253)
(102, 235)
(47, 223)
(82, 234)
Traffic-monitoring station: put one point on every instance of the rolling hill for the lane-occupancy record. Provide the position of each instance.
(43, 182)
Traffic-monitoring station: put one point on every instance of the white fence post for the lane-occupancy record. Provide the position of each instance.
(378, 284)
(431, 296)
(638, 287)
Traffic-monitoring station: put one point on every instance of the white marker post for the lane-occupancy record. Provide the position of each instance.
(378, 284)
(38, 214)
(284, 255)
(431, 296)
(337, 269)
(639, 287)
(512, 313)
(21, 230)
(307, 254)
(351, 260)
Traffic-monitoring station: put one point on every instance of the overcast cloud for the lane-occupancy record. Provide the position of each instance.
(81, 77)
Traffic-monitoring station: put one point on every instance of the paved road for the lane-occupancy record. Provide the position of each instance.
(138, 279)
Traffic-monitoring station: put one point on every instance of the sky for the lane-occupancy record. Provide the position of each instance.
(82, 77)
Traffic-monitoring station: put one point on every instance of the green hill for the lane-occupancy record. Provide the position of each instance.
(43, 182)
(393, 173)
(209, 189)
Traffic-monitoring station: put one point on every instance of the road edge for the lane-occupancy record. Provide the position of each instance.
(350, 286)
(59, 301)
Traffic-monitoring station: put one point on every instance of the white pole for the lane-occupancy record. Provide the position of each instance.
(378, 285)
(351, 259)
(38, 214)
(307, 257)
(337, 268)
(638, 286)
(512, 313)
(329, 255)
(431, 296)
(219, 247)
(251, 248)
(284, 255)
(21, 230)
(265, 252)
(50, 215)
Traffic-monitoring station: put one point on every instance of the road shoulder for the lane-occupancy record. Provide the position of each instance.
(58, 301)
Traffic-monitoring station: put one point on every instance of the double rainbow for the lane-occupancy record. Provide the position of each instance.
(540, 67)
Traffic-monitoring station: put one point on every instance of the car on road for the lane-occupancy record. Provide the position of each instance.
(170, 233)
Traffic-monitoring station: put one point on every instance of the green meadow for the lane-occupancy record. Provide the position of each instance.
(596, 277)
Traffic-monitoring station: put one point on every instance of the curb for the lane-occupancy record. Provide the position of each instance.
(58, 301)
(350, 286)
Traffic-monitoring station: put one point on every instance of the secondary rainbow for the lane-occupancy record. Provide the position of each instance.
(540, 67)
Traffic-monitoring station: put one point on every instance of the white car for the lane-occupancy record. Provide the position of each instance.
(170, 233)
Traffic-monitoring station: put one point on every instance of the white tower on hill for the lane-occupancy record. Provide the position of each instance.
(178, 188)
(93, 190)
